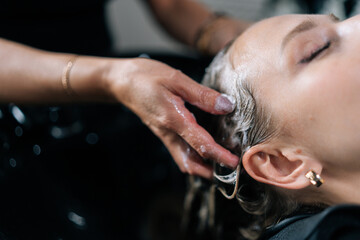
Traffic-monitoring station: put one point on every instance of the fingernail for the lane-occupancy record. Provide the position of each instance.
(225, 103)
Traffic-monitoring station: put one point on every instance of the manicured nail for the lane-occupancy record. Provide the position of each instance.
(225, 103)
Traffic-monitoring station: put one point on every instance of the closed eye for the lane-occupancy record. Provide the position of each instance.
(315, 54)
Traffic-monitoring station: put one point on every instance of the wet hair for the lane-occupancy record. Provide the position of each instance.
(249, 124)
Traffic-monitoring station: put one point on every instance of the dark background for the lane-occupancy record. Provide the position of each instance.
(88, 172)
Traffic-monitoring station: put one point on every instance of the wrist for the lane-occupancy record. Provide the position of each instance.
(218, 33)
(118, 78)
(203, 34)
(88, 80)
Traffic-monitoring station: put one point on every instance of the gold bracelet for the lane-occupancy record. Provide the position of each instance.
(65, 78)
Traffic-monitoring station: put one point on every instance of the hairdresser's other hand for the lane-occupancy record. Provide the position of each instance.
(223, 31)
(156, 93)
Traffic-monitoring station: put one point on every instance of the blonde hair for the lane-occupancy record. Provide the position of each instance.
(248, 125)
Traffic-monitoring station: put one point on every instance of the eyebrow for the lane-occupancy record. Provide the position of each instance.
(303, 27)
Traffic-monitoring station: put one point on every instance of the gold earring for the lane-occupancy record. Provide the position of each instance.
(314, 178)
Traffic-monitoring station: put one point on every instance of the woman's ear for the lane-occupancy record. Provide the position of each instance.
(283, 167)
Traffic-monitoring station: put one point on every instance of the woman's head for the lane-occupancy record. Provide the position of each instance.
(296, 82)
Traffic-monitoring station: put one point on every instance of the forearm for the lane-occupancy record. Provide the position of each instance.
(28, 75)
(193, 24)
(181, 18)
(154, 91)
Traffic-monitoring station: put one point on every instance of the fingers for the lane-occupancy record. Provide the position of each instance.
(186, 158)
(201, 96)
(200, 140)
(184, 124)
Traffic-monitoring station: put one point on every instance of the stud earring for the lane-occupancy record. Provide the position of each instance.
(314, 178)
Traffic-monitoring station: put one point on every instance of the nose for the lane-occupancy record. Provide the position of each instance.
(349, 27)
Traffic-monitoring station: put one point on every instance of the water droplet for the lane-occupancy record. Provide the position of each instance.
(18, 114)
(36, 149)
(77, 219)
(92, 138)
(19, 131)
(12, 162)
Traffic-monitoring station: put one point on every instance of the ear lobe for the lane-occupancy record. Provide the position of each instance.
(278, 166)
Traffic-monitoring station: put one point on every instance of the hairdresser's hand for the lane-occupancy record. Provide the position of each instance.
(156, 93)
(223, 31)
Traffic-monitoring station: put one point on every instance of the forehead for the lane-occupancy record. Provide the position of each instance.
(264, 39)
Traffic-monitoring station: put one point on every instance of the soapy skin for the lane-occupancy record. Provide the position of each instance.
(152, 90)
(158, 99)
(99, 79)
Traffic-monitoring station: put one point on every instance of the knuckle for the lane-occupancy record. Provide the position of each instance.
(172, 122)
(166, 122)
(204, 95)
(176, 74)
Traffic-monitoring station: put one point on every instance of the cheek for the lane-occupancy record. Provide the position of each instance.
(324, 103)
(330, 87)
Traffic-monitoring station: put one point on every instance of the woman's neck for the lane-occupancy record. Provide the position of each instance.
(341, 188)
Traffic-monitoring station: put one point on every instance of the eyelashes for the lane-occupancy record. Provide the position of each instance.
(315, 54)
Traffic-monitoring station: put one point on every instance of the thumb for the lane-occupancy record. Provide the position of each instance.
(205, 98)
